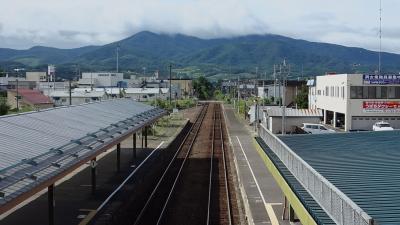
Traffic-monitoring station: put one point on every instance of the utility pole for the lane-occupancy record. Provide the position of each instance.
(380, 36)
(285, 70)
(17, 94)
(170, 81)
(255, 82)
(238, 95)
(263, 97)
(70, 92)
(118, 58)
(274, 83)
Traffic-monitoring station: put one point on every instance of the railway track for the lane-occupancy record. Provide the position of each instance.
(219, 202)
(194, 188)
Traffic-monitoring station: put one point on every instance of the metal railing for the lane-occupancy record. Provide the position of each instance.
(336, 204)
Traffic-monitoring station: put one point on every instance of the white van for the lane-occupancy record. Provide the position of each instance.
(314, 128)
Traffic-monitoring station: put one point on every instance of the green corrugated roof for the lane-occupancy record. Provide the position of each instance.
(365, 166)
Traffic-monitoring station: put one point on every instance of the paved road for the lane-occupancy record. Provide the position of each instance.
(264, 196)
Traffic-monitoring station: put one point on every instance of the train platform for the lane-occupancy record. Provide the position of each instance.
(263, 198)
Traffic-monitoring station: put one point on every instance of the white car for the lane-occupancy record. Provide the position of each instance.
(381, 126)
(314, 128)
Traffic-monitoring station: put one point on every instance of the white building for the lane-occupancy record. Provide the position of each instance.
(61, 98)
(274, 91)
(357, 101)
(6, 80)
(100, 79)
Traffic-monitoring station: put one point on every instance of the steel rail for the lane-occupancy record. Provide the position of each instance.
(228, 199)
(211, 170)
(217, 113)
(180, 169)
(198, 121)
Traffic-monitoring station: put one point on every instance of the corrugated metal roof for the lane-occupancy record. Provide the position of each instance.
(364, 166)
(289, 112)
(37, 146)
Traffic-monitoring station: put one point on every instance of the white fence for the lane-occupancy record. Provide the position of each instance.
(336, 204)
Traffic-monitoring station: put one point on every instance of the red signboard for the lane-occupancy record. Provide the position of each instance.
(381, 106)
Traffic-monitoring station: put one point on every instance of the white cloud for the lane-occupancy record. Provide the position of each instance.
(73, 23)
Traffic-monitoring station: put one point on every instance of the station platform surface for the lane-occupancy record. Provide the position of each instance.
(262, 195)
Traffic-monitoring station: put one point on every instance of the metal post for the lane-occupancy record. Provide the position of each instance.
(118, 157)
(145, 137)
(93, 165)
(134, 145)
(142, 138)
(50, 203)
(291, 214)
(284, 208)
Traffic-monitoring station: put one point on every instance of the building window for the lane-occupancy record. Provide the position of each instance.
(342, 92)
(365, 92)
(372, 92)
(326, 91)
(391, 92)
(397, 92)
(384, 92)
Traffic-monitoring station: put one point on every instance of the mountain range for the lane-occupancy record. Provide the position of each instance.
(236, 55)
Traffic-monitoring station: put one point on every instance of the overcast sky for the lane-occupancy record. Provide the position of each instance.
(75, 23)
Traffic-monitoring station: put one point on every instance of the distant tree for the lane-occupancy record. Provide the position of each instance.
(4, 107)
(218, 95)
(302, 98)
(203, 87)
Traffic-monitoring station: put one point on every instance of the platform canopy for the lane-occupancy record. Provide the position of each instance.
(38, 148)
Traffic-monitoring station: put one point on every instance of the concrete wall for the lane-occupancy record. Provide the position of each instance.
(103, 79)
(36, 76)
(335, 102)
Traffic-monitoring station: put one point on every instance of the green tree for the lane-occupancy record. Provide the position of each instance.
(202, 87)
(4, 107)
(302, 98)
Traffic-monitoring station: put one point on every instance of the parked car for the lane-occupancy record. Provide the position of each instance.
(381, 126)
(314, 128)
